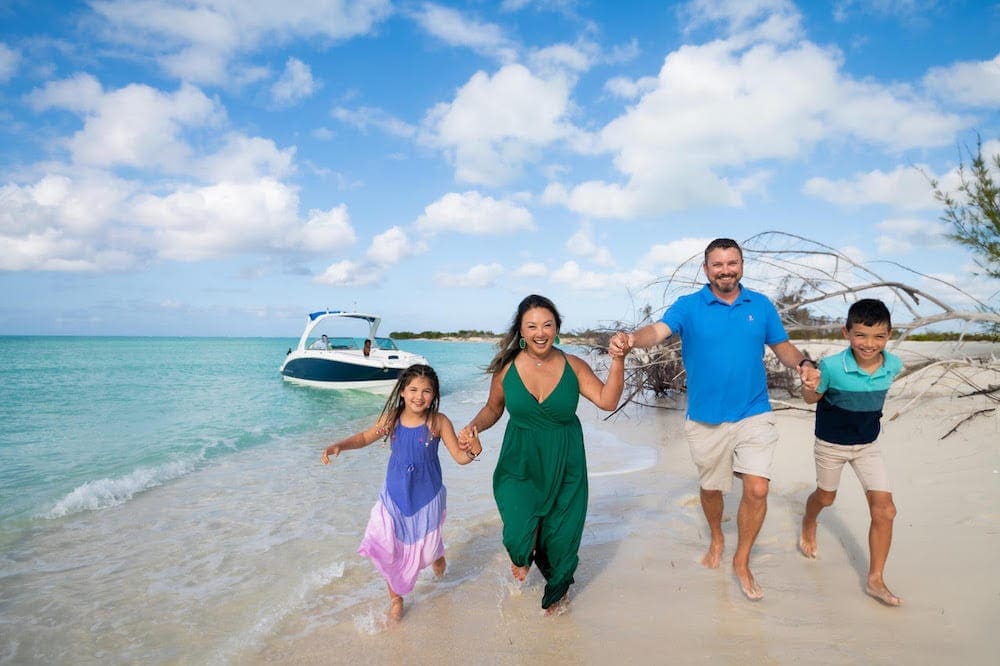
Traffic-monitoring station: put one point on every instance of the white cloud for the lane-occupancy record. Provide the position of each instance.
(244, 158)
(905, 188)
(197, 40)
(135, 126)
(729, 105)
(479, 276)
(81, 93)
(473, 213)
(454, 29)
(971, 83)
(531, 269)
(296, 83)
(496, 124)
(627, 88)
(663, 258)
(392, 246)
(348, 273)
(582, 244)
(366, 117)
(572, 275)
(900, 235)
(776, 21)
(10, 60)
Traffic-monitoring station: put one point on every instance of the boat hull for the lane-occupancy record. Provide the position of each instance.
(368, 373)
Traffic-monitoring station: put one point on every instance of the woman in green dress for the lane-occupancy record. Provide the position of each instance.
(540, 480)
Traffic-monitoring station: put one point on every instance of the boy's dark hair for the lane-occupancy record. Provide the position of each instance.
(868, 312)
(722, 244)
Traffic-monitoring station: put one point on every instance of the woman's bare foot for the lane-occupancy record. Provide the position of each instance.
(807, 540)
(395, 609)
(713, 556)
(519, 573)
(881, 592)
(559, 607)
(750, 588)
(439, 566)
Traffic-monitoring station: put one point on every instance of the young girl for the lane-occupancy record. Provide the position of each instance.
(404, 532)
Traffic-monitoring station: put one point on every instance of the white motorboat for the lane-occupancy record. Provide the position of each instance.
(367, 362)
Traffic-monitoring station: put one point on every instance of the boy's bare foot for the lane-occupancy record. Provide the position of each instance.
(750, 588)
(807, 540)
(559, 607)
(439, 566)
(396, 609)
(713, 556)
(519, 573)
(882, 593)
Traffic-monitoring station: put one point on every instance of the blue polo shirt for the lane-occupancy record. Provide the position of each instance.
(722, 346)
(851, 406)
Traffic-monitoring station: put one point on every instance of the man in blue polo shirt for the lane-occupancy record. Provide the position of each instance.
(724, 328)
(849, 397)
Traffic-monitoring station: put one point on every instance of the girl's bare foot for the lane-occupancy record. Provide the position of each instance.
(395, 609)
(519, 573)
(439, 566)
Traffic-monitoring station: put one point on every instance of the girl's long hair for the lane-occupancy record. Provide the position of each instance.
(394, 405)
(508, 346)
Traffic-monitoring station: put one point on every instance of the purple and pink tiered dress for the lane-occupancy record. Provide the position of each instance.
(404, 532)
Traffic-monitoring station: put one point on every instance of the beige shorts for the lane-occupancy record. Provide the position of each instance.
(719, 451)
(866, 459)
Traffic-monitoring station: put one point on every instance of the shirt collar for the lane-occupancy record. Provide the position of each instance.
(709, 296)
(851, 365)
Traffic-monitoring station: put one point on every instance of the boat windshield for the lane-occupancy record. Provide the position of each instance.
(385, 343)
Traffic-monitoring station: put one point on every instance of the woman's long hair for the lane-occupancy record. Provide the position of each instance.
(394, 405)
(509, 346)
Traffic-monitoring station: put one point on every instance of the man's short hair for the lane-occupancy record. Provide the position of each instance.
(722, 244)
(868, 312)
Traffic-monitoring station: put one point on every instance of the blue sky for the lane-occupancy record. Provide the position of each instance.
(222, 167)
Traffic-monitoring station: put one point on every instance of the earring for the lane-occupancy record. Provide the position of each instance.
(557, 339)
(521, 343)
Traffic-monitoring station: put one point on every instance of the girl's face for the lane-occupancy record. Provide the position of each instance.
(418, 395)
(538, 328)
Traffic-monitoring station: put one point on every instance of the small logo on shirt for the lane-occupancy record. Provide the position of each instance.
(750, 318)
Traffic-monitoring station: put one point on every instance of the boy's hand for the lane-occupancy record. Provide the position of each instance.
(810, 378)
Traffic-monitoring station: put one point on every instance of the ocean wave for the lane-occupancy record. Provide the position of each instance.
(105, 493)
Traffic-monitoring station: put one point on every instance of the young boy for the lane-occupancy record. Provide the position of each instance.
(849, 395)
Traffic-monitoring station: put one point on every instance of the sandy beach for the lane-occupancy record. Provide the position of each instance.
(641, 595)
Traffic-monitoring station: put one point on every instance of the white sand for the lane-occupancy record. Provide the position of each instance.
(641, 595)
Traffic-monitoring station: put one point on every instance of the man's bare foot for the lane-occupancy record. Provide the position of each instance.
(713, 556)
(559, 607)
(396, 609)
(519, 573)
(807, 540)
(439, 566)
(750, 588)
(882, 593)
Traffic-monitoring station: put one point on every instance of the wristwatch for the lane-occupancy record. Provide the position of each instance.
(807, 360)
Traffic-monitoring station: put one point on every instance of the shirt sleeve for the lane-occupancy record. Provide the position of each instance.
(775, 329)
(675, 316)
(824, 375)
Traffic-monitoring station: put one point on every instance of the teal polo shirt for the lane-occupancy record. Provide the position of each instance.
(851, 407)
(722, 346)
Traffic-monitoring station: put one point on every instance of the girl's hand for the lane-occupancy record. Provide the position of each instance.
(473, 446)
(333, 450)
(465, 437)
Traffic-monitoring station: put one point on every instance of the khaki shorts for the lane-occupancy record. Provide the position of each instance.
(866, 459)
(718, 451)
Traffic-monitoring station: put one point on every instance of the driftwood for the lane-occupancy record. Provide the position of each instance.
(812, 285)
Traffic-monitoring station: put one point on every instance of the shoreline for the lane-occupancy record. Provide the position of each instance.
(640, 588)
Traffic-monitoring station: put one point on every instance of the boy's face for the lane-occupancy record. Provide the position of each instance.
(867, 342)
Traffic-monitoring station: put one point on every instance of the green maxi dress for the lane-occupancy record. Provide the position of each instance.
(540, 480)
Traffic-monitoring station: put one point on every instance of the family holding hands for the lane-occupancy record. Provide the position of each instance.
(540, 479)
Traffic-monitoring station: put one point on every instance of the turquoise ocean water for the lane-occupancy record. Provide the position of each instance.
(162, 500)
